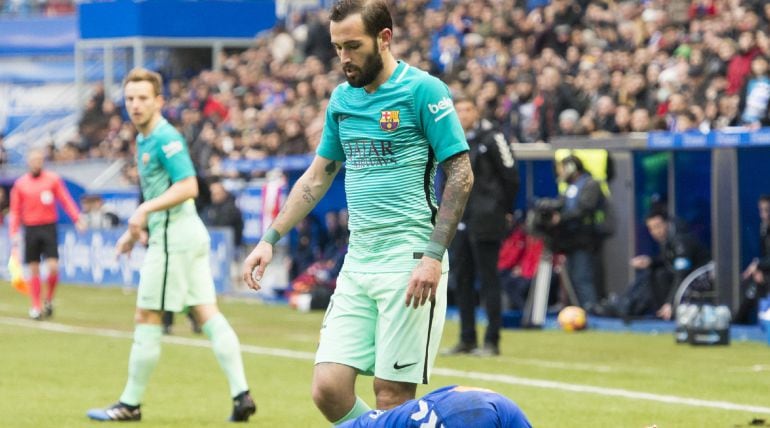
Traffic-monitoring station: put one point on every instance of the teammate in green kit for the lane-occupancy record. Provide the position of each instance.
(175, 274)
(391, 124)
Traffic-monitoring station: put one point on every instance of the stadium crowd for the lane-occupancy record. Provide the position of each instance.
(562, 68)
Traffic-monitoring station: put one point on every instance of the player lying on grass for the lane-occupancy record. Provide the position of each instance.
(448, 407)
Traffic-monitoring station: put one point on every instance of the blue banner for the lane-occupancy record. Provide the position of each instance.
(89, 258)
(284, 163)
(249, 201)
(175, 18)
(738, 137)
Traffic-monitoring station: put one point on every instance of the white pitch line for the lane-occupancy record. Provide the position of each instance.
(612, 392)
(500, 378)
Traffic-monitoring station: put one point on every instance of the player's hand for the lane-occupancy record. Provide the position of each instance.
(641, 262)
(424, 282)
(125, 244)
(665, 311)
(81, 225)
(144, 237)
(255, 264)
(137, 222)
(750, 269)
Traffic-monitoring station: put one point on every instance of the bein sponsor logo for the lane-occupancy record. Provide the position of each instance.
(443, 104)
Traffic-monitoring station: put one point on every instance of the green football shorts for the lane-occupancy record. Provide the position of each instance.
(368, 327)
(175, 280)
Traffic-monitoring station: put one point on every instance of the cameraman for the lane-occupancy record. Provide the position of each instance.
(575, 228)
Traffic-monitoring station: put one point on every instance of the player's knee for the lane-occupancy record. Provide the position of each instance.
(391, 394)
(325, 392)
(143, 316)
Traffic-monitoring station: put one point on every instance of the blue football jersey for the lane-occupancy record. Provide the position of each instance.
(448, 407)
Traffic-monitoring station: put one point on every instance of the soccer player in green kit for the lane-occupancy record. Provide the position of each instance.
(391, 124)
(175, 272)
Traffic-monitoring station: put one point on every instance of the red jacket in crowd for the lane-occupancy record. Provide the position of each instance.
(33, 201)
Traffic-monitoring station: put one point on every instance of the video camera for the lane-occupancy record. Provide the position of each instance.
(540, 218)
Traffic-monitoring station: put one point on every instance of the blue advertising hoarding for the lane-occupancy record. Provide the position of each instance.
(89, 258)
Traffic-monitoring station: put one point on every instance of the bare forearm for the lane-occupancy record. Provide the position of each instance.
(456, 190)
(305, 194)
(177, 193)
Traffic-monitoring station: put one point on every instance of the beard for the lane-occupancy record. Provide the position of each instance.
(365, 74)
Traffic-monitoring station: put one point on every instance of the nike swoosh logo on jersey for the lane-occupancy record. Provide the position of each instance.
(399, 367)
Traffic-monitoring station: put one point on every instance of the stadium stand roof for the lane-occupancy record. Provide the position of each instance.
(214, 24)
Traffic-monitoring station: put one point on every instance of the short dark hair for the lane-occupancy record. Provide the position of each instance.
(374, 13)
(575, 161)
(657, 213)
(764, 198)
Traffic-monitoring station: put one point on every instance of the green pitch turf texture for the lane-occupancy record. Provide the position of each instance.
(51, 373)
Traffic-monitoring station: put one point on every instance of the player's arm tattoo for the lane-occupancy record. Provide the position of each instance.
(331, 168)
(307, 194)
(456, 190)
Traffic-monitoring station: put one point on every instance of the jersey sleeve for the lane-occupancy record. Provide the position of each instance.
(175, 158)
(65, 199)
(438, 119)
(331, 146)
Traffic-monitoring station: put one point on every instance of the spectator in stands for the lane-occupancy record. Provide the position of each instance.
(95, 214)
(569, 122)
(33, 205)
(640, 120)
(223, 212)
(622, 53)
(756, 276)
(522, 120)
(755, 96)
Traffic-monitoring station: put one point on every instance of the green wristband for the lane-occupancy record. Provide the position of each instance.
(271, 236)
(435, 250)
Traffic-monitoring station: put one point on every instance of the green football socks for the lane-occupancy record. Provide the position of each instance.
(228, 352)
(145, 354)
(359, 408)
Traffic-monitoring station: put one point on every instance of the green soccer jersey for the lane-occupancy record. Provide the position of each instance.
(163, 159)
(391, 141)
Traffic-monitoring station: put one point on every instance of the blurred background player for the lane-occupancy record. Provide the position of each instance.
(476, 246)
(33, 206)
(448, 407)
(391, 123)
(175, 272)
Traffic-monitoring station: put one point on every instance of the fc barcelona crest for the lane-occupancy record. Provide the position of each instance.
(389, 120)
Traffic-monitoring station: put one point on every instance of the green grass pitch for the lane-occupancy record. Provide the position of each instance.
(52, 372)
